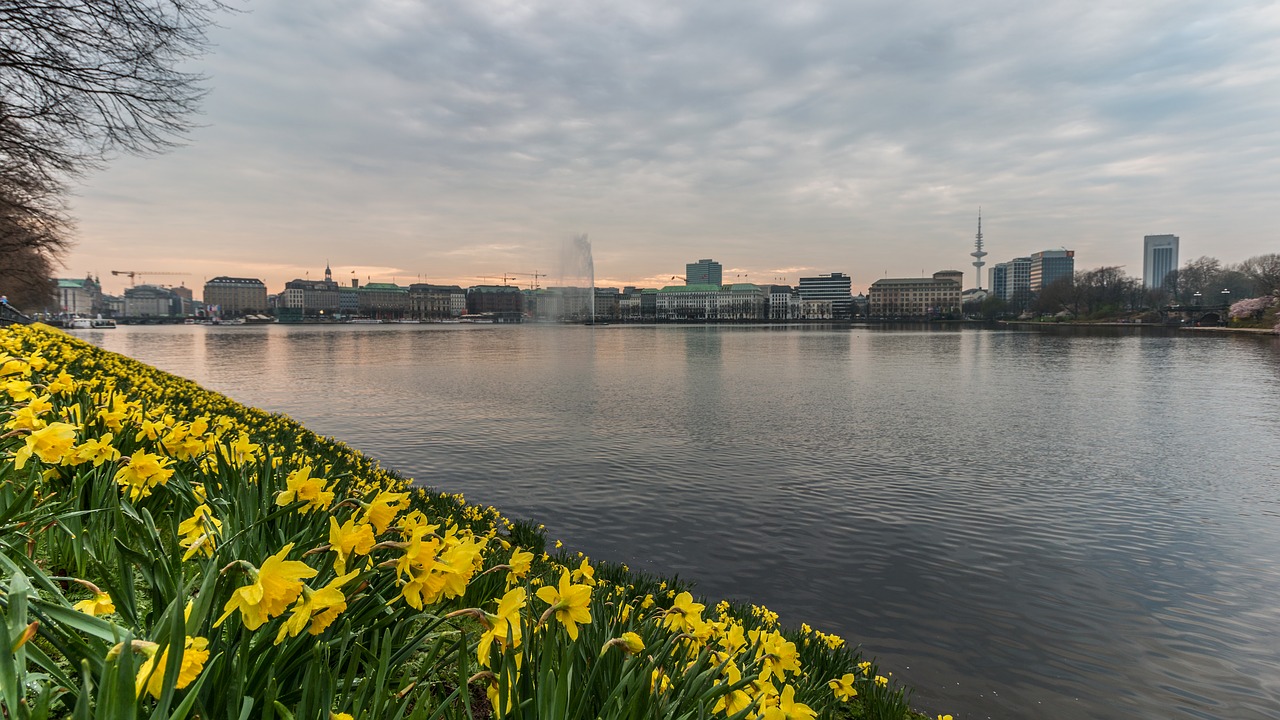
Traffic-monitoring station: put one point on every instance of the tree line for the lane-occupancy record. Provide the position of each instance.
(80, 81)
(1109, 292)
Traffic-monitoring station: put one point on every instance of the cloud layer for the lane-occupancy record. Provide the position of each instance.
(457, 140)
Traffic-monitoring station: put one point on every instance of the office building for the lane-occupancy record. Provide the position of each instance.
(1011, 281)
(233, 296)
(837, 288)
(1159, 258)
(916, 297)
(1049, 266)
(703, 272)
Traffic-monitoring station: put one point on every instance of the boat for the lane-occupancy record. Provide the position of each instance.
(84, 323)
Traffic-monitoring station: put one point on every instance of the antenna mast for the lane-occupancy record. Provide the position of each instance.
(978, 252)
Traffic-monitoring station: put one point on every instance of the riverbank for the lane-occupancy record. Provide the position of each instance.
(1148, 326)
(290, 575)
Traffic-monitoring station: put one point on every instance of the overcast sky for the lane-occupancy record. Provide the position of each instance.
(448, 141)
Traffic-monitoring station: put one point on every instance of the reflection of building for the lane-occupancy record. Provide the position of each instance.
(916, 297)
(1049, 266)
(232, 296)
(81, 297)
(703, 272)
(834, 287)
(1159, 258)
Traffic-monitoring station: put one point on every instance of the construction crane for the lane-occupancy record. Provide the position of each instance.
(533, 284)
(505, 277)
(134, 274)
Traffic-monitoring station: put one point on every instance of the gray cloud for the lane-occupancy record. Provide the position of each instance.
(460, 139)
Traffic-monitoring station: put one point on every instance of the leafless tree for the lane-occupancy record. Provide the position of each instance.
(79, 81)
(1263, 271)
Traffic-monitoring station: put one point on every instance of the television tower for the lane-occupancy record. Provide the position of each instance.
(978, 252)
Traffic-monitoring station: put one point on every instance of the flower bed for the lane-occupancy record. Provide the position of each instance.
(168, 553)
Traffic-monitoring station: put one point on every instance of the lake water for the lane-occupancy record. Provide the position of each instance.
(1057, 524)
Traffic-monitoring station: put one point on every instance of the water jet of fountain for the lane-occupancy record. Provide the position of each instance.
(578, 268)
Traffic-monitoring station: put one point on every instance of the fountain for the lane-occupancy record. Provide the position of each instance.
(577, 281)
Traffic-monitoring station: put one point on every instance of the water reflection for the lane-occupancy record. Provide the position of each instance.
(1056, 524)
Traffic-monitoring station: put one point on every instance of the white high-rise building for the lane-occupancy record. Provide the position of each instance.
(1159, 258)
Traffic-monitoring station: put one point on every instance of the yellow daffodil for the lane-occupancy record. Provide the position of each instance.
(571, 604)
(143, 472)
(347, 539)
(383, 509)
(195, 653)
(199, 532)
(96, 451)
(843, 688)
(99, 604)
(788, 709)
(316, 609)
(62, 384)
(585, 573)
(276, 584)
(27, 417)
(521, 562)
(50, 443)
(685, 615)
(301, 486)
(244, 451)
(778, 655)
(501, 624)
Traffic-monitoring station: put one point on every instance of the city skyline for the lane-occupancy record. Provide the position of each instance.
(452, 143)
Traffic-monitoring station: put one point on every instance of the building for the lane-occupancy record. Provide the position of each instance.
(81, 297)
(742, 301)
(152, 301)
(1049, 266)
(834, 287)
(436, 302)
(1159, 258)
(385, 301)
(1011, 281)
(736, 301)
(688, 302)
(916, 297)
(607, 302)
(233, 296)
(313, 298)
(784, 303)
(703, 272)
(349, 299)
(503, 300)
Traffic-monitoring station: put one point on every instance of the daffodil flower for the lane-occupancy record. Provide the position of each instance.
(571, 604)
(276, 584)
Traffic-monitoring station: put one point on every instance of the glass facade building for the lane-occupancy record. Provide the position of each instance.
(834, 287)
(1159, 258)
(703, 272)
(1048, 266)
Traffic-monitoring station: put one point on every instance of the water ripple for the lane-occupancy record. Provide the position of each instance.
(1066, 525)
